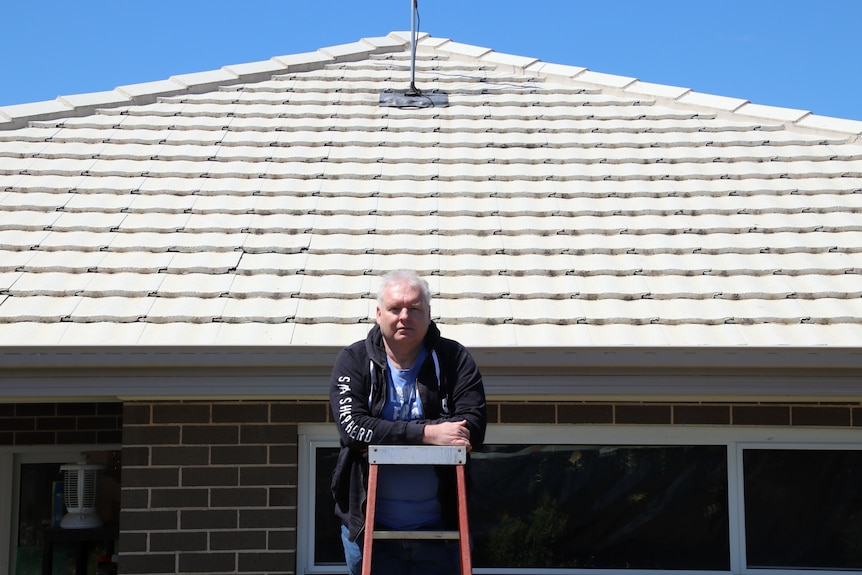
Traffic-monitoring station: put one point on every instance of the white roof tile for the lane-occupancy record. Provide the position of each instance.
(548, 205)
(111, 309)
(263, 285)
(33, 333)
(125, 284)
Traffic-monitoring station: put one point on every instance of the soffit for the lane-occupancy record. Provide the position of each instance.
(548, 206)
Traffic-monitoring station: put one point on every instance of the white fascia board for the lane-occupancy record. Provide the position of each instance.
(680, 374)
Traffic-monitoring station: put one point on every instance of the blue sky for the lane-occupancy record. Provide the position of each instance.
(801, 54)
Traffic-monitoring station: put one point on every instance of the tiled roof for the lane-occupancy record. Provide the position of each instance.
(548, 205)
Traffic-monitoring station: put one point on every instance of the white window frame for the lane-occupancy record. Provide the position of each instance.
(11, 459)
(736, 439)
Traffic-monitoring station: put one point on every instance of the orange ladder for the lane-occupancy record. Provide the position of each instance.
(417, 455)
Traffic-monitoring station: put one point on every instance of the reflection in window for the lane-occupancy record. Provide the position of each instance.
(803, 508)
(601, 507)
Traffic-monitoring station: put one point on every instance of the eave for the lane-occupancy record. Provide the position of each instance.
(538, 374)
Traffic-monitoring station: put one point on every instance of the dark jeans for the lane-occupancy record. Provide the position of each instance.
(404, 557)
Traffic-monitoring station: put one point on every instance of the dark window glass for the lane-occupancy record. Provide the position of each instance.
(803, 508)
(598, 507)
(327, 527)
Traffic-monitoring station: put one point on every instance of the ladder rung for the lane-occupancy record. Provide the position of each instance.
(416, 535)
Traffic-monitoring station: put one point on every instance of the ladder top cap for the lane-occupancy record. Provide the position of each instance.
(417, 455)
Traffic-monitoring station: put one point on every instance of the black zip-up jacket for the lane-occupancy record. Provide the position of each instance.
(450, 387)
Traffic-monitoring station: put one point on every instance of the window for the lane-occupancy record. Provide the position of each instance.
(34, 502)
(577, 499)
(803, 508)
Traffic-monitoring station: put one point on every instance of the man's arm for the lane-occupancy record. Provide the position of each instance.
(349, 392)
(468, 412)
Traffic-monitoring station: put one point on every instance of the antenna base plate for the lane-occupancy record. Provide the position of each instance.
(412, 99)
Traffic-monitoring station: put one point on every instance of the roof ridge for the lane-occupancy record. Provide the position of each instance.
(19, 115)
(664, 94)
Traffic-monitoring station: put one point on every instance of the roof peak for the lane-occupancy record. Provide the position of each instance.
(18, 116)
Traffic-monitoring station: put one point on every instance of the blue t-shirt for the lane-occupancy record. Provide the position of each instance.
(406, 494)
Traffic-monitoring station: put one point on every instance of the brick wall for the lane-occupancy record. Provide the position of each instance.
(211, 487)
(60, 423)
(822, 414)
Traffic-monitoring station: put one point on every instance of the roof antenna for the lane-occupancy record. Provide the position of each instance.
(413, 97)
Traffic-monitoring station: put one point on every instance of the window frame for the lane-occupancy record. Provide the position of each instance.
(11, 459)
(736, 440)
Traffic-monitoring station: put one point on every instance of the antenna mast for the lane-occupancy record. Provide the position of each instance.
(413, 97)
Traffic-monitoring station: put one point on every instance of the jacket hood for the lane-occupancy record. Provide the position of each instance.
(377, 351)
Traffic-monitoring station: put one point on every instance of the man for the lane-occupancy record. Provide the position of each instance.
(404, 384)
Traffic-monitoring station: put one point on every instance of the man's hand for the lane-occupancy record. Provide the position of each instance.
(447, 433)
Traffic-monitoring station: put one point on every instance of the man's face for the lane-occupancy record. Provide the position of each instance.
(403, 317)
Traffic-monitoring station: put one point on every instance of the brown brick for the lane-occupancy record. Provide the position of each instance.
(110, 436)
(7, 409)
(236, 540)
(71, 437)
(148, 563)
(493, 410)
(268, 434)
(151, 435)
(266, 562)
(825, 416)
(210, 434)
(207, 562)
(642, 414)
(246, 454)
(701, 414)
(209, 519)
(136, 413)
(76, 409)
(283, 454)
(133, 542)
(300, 412)
(178, 541)
(574, 413)
(7, 438)
(210, 476)
(35, 409)
(136, 456)
(760, 415)
(241, 413)
(282, 539)
(238, 497)
(266, 518)
(135, 498)
(147, 520)
(282, 497)
(527, 413)
(150, 477)
(177, 498)
(35, 438)
(98, 422)
(270, 475)
(109, 409)
(56, 423)
(180, 455)
(18, 424)
(181, 413)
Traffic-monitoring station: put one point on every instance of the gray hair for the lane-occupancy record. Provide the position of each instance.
(409, 278)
